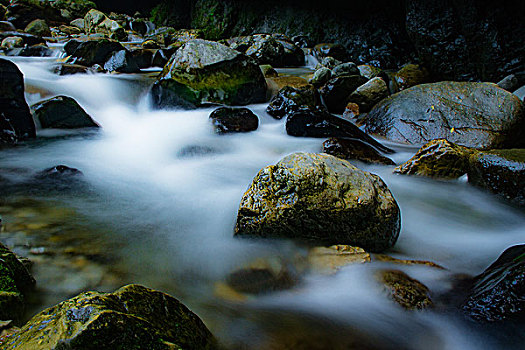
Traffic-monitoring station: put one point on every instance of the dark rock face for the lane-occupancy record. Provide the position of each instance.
(464, 40)
(337, 90)
(203, 72)
(289, 100)
(497, 294)
(15, 282)
(477, 115)
(320, 199)
(62, 112)
(13, 106)
(319, 123)
(59, 172)
(122, 61)
(22, 12)
(229, 120)
(501, 172)
(92, 52)
(133, 317)
(354, 150)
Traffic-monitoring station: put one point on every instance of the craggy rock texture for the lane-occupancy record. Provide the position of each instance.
(62, 112)
(15, 282)
(404, 290)
(502, 171)
(229, 120)
(497, 294)
(478, 115)
(289, 100)
(133, 317)
(13, 106)
(321, 199)
(202, 72)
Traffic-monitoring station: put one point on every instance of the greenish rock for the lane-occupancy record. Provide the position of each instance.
(92, 19)
(278, 83)
(329, 260)
(347, 68)
(496, 295)
(79, 23)
(12, 42)
(38, 27)
(203, 72)
(289, 100)
(369, 71)
(404, 290)
(62, 112)
(133, 317)
(352, 149)
(410, 75)
(15, 283)
(97, 22)
(321, 76)
(368, 94)
(478, 115)
(268, 71)
(438, 159)
(71, 9)
(320, 199)
(500, 171)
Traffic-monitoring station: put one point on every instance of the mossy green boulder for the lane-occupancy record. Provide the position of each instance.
(203, 72)
(478, 115)
(409, 293)
(15, 282)
(320, 199)
(133, 317)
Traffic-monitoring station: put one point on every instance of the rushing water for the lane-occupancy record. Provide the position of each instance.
(163, 190)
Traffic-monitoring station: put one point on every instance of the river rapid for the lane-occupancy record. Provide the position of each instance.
(159, 199)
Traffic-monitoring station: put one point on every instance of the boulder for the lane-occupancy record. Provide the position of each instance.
(92, 52)
(59, 172)
(69, 30)
(496, 295)
(122, 61)
(12, 42)
(133, 317)
(369, 71)
(479, 115)
(32, 51)
(28, 39)
(289, 100)
(97, 22)
(307, 122)
(501, 171)
(15, 283)
(277, 83)
(268, 71)
(62, 112)
(143, 57)
(320, 199)
(72, 9)
(38, 27)
(7, 26)
(13, 105)
(410, 75)
(510, 83)
(7, 132)
(276, 49)
(202, 72)
(351, 149)
(321, 76)
(329, 260)
(336, 91)
(23, 12)
(404, 290)
(229, 120)
(348, 68)
(368, 94)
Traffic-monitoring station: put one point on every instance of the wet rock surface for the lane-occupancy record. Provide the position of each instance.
(404, 290)
(477, 115)
(62, 112)
(351, 149)
(321, 199)
(290, 99)
(497, 295)
(133, 317)
(230, 120)
(203, 72)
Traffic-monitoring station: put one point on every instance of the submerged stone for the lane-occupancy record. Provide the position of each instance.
(290, 99)
(404, 290)
(320, 199)
(351, 149)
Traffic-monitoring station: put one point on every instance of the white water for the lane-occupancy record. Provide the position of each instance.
(176, 213)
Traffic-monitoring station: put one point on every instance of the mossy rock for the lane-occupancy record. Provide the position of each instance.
(203, 72)
(38, 27)
(133, 317)
(478, 115)
(404, 290)
(15, 282)
(320, 199)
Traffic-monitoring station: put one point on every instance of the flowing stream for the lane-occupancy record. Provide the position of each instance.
(158, 202)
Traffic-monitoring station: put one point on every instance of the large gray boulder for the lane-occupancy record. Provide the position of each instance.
(479, 115)
(321, 199)
(203, 72)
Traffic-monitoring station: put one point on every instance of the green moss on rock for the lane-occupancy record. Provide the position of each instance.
(133, 317)
(321, 199)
